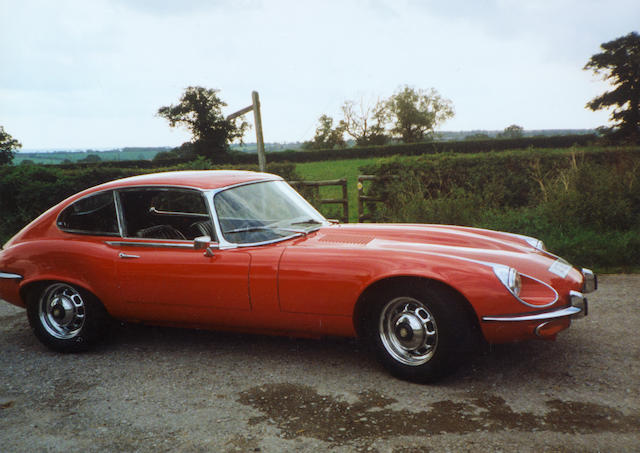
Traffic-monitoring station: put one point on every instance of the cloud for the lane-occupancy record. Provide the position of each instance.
(499, 61)
(185, 7)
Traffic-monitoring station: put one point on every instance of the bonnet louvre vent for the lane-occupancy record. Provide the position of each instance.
(346, 239)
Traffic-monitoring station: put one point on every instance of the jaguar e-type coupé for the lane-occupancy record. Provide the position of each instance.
(243, 251)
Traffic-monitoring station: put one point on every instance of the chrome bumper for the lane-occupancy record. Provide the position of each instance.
(590, 281)
(579, 309)
(10, 276)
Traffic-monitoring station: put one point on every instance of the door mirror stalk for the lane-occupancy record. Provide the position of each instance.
(204, 243)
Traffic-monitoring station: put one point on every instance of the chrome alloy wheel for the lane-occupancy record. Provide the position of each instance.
(408, 331)
(61, 311)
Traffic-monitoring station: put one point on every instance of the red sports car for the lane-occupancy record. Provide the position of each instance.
(243, 251)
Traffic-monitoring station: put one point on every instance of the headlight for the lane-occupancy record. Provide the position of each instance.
(509, 277)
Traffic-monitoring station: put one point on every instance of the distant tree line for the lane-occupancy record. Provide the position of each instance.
(410, 115)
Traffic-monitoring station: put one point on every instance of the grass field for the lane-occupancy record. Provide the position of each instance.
(336, 169)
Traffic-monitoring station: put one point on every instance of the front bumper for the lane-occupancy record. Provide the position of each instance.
(590, 281)
(545, 324)
(579, 308)
(542, 323)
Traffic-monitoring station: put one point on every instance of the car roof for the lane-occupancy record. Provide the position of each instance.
(199, 179)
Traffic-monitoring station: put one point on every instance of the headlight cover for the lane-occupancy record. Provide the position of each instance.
(509, 277)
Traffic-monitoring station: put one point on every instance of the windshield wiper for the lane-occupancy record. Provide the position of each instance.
(265, 227)
(310, 221)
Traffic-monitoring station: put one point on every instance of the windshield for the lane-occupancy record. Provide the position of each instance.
(263, 212)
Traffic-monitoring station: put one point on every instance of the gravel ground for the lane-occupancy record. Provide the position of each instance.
(159, 389)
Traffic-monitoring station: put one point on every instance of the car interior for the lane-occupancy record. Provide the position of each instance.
(153, 213)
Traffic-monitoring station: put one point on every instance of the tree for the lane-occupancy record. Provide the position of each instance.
(513, 131)
(619, 63)
(366, 123)
(91, 159)
(8, 145)
(200, 111)
(415, 113)
(327, 136)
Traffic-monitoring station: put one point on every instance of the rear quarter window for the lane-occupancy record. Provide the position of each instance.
(95, 214)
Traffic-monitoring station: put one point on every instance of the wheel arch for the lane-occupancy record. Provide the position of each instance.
(364, 304)
(39, 284)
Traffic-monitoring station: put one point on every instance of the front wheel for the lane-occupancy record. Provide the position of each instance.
(420, 335)
(66, 318)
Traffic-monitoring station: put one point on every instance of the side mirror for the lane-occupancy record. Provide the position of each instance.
(203, 243)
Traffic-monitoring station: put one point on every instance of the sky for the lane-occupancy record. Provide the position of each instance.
(78, 74)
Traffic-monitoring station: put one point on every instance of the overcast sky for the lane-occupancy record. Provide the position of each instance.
(93, 73)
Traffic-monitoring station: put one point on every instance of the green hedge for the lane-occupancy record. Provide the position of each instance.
(467, 146)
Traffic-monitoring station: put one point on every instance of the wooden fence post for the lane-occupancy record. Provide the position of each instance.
(255, 106)
(262, 158)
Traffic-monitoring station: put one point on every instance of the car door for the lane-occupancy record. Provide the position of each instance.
(161, 276)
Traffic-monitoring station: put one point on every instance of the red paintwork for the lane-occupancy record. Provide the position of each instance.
(306, 286)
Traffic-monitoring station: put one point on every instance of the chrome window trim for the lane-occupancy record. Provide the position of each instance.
(246, 183)
(157, 186)
(152, 244)
(89, 233)
(10, 276)
(119, 213)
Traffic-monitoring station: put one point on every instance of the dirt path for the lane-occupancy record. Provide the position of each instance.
(157, 389)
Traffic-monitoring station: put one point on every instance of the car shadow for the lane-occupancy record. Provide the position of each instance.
(343, 355)
(508, 361)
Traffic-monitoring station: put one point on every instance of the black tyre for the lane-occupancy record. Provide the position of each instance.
(66, 318)
(420, 334)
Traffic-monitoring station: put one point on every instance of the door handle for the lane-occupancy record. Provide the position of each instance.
(126, 256)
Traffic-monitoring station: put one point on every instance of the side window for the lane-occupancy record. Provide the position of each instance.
(95, 214)
(165, 213)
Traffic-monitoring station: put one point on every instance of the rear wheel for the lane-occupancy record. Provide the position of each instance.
(420, 334)
(66, 318)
